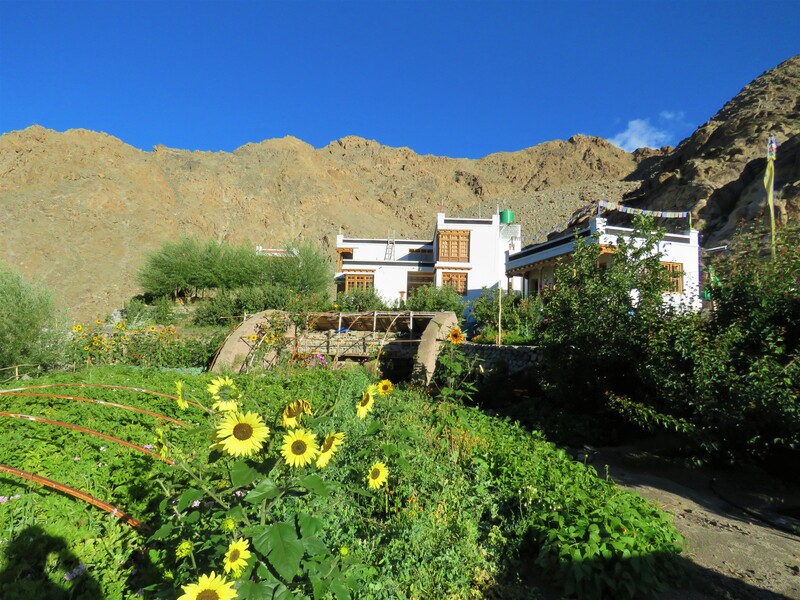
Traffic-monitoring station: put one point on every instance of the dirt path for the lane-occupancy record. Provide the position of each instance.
(733, 554)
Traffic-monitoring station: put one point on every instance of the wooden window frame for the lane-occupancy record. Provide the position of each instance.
(458, 280)
(430, 279)
(364, 281)
(454, 245)
(675, 271)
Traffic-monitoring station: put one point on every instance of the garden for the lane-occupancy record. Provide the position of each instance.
(128, 470)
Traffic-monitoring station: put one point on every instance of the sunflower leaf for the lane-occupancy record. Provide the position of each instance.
(265, 490)
(188, 497)
(243, 474)
(308, 525)
(314, 483)
(282, 548)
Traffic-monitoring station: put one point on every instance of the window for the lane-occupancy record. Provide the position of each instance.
(421, 254)
(675, 271)
(454, 246)
(414, 279)
(343, 254)
(354, 281)
(456, 280)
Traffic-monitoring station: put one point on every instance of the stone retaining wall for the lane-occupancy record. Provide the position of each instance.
(503, 360)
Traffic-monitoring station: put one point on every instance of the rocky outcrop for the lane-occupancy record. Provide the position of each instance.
(717, 173)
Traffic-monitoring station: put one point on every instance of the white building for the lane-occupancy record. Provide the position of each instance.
(465, 253)
(680, 254)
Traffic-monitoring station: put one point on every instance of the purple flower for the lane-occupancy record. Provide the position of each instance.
(196, 503)
(149, 447)
(3, 499)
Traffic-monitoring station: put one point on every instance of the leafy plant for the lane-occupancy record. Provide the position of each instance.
(28, 330)
(429, 298)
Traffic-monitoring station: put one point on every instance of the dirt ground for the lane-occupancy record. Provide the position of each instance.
(736, 539)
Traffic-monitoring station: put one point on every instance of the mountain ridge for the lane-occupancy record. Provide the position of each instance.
(82, 208)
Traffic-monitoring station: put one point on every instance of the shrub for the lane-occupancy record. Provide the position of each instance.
(429, 298)
(596, 323)
(359, 300)
(28, 332)
(520, 316)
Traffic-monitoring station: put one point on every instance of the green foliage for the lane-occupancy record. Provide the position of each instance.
(597, 323)
(519, 316)
(145, 346)
(743, 396)
(359, 300)
(470, 501)
(429, 298)
(189, 266)
(28, 332)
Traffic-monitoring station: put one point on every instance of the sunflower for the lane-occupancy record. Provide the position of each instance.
(293, 413)
(236, 557)
(329, 448)
(223, 388)
(378, 474)
(456, 335)
(98, 321)
(242, 434)
(385, 387)
(77, 327)
(299, 447)
(364, 405)
(210, 587)
(182, 403)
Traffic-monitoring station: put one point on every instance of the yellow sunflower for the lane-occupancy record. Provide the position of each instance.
(456, 335)
(378, 474)
(385, 387)
(299, 447)
(210, 587)
(242, 434)
(293, 413)
(329, 448)
(98, 321)
(77, 327)
(182, 403)
(364, 405)
(222, 388)
(236, 557)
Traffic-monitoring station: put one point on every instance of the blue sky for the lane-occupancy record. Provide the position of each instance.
(461, 79)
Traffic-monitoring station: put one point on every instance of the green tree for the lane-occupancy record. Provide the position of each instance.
(597, 322)
(28, 332)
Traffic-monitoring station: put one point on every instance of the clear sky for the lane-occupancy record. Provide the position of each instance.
(461, 79)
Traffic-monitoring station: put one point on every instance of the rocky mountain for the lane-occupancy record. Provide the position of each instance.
(717, 173)
(82, 209)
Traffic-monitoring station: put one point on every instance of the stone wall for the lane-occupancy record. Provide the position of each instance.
(503, 360)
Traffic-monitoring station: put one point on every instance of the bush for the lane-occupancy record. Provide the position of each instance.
(596, 323)
(28, 332)
(190, 266)
(359, 300)
(429, 298)
(520, 316)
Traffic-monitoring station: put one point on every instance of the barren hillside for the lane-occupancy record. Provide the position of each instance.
(81, 209)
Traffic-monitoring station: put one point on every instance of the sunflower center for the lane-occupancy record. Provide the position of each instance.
(299, 447)
(327, 444)
(208, 595)
(234, 556)
(375, 473)
(243, 431)
(364, 399)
